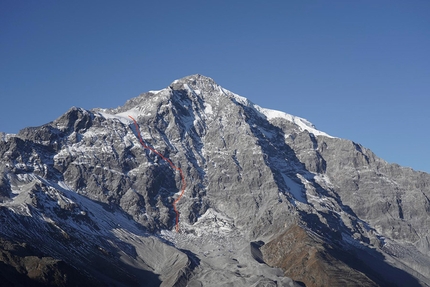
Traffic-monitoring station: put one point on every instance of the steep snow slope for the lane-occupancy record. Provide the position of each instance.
(84, 190)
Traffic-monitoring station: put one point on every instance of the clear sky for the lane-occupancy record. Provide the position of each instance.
(358, 70)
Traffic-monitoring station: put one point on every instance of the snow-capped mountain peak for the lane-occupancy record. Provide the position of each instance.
(269, 199)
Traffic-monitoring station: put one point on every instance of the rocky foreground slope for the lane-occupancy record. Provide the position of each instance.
(270, 200)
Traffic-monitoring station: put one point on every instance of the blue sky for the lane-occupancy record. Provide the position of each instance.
(358, 70)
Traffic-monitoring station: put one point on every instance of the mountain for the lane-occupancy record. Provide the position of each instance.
(269, 200)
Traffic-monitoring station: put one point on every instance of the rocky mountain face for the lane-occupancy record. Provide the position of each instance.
(269, 200)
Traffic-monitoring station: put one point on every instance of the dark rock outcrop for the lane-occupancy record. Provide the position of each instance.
(84, 192)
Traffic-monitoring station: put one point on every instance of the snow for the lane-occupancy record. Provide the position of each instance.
(270, 114)
(267, 134)
(195, 92)
(122, 117)
(208, 109)
(304, 124)
(294, 188)
(242, 100)
(323, 180)
(104, 219)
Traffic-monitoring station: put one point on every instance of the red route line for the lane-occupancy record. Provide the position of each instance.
(171, 165)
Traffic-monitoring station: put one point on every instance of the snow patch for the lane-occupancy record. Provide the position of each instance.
(272, 114)
(294, 188)
(304, 124)
(242, 100)
(208, 109)
(323, 180)
(122, 117)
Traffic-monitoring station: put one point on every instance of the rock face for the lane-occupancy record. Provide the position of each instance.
(312, 261)
(269, 199)
(22, 265)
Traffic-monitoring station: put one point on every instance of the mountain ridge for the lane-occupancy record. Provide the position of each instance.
(252, 175)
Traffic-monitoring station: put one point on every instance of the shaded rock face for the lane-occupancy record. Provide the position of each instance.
(324, 211)
(21, 265)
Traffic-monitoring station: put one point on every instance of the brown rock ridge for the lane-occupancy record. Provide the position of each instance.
(308, 259)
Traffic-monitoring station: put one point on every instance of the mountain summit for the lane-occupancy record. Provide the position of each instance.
(268, 199)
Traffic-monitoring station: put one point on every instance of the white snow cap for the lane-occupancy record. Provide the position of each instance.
(269, 114)
(304, 124)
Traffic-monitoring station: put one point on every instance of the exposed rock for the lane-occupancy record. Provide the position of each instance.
(307, 258)
(84, 191)
(22, 265)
